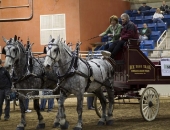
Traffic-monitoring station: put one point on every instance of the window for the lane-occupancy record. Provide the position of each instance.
(52, 25)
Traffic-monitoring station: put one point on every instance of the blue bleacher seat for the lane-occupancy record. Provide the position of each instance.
(161, 27)
(132, 19)
(148, 19)
(140, 26)
(148, 44)
(145, 52)
(167, 19)
(153, 9)
(152, 26)
(139, 17)
(155, 35)
(135, 13)
(138, 21)
(129, 12)
(146, 13)
(141, 45)
(152, 12)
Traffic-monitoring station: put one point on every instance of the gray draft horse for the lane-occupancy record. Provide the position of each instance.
(17, 58)
(77, 76)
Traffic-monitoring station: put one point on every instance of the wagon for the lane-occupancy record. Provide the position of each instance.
(133, 72)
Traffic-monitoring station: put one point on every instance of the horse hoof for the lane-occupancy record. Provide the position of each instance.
(20, 128)
(40, 126)
(109, 122)
(100, 123)
(56, 125)
(65, 126)
(77, 128)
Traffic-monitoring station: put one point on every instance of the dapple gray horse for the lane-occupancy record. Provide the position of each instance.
(17, 58)
(77, 76)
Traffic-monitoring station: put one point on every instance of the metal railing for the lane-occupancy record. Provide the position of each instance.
(160, 41)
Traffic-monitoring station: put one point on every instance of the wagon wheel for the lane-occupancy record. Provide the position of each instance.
(149, 104)
(98, 106)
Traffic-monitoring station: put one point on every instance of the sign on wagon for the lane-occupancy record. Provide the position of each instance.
(165, 66)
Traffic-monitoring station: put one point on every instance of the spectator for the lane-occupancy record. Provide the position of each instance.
(145, 32)
(157, 17)
(44, 101)
(164, 8)
(90, 103)
(26, 106)
(129, 31)
(112, 32)
(144, 7)
(5, 88)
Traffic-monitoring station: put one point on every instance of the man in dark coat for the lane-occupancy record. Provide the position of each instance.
(129, 31)
(143, 8)
(5, 88)
(145, 32)
(164, 8)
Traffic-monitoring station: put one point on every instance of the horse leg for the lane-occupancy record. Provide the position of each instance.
(64, 124)
(80, 98)
(99, 94)
(41, 124)
(56, 121)
(110, 91)
(22, 124)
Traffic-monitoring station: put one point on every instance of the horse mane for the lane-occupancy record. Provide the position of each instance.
(66, 46)
(21, 46)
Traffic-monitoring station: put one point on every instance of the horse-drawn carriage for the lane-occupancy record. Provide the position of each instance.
(132, 72)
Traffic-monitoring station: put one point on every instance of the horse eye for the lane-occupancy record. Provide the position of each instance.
(14, 50)
(55, 50)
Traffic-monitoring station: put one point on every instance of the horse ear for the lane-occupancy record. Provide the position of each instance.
(15, 38)
(4, 39)
(50, 38)
(57, 40)
(3, 51)
(45, 50)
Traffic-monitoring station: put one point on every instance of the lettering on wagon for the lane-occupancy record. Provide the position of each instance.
(139, 69)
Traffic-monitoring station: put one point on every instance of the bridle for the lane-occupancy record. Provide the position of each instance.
(57, 51)
(9, 47)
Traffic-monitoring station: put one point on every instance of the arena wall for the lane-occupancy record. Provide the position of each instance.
(84, 18)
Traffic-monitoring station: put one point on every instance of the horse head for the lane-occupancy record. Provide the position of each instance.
(11, 51)
(52, 51)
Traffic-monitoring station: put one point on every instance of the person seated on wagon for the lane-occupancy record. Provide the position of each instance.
(144, 33)
(165, 9)
(129, 31)
(112, 32)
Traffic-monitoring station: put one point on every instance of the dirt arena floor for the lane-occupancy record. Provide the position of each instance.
(126, 117)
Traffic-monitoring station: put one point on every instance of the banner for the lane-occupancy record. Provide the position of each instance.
(165, 66)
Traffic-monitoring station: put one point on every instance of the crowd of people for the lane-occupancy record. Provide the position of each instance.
(119, 34)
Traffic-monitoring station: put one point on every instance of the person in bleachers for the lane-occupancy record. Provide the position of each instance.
(144, 33)
(165, 9)
(157, 17)
(129, 31)
(144, 7)
(113, 31)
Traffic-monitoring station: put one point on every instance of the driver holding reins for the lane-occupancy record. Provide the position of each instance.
(129, 31)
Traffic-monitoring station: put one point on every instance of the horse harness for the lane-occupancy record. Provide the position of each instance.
(73, 69)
